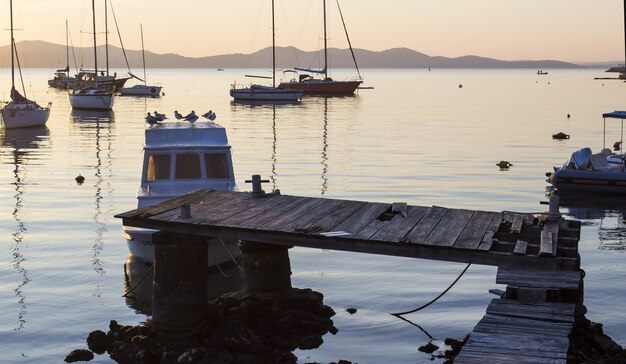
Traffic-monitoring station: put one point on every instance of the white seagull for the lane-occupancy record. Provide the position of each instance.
(151, 120)
(191, 117)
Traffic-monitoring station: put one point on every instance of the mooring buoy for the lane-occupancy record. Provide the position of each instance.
(504, 164)
(560, 136)
(80, 179)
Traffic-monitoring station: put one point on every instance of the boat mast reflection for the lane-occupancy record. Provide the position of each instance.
(21, 142)
(325, 149)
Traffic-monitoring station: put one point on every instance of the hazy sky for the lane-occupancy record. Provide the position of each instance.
(573, 30)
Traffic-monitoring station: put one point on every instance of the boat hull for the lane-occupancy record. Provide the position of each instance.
(322, 87)
(567, 179)
(141, 90)
(91, 101)
(140, 245)
(12, 118)
(266, 94)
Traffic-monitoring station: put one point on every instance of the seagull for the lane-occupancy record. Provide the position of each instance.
(177, 115)
(210, 115)
(159, 117)
(151, 120)
(191, 117)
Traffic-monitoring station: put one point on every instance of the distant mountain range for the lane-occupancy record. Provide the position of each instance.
(39, 54)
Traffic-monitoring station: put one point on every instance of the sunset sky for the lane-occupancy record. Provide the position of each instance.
(573, 30)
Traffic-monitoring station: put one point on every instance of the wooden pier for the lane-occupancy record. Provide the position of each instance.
(537, 255)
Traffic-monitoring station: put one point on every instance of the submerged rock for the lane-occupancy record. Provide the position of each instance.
(428, 348)
(79, 355)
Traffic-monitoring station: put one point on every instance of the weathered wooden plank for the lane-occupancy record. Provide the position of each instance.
(265, 204)
(552, 227)
(472, 235)
(204, 206)
(262, 219)
(487, 241)
(307, 222)
(293, 214)
(346, 210)
(449, 228)
(400, 225)
(170, 204)
(557, 312)
(520, 247)
(546, 247)
(531, 343)
(420, 232)
(479, 358)
(516, 225)
(486, 350)
(539, 279)
(372, 228)
(363, 217)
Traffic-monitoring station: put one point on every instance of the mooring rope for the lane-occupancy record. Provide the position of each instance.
(138, 283)
(436, 298)
(233, 259)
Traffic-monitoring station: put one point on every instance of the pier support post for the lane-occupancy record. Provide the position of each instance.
(179, 291)
(266, 266)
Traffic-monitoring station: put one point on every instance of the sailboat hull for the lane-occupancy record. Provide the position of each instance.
(92, 101)
(141, 90)
(261, 93)
(322, 87)
(23, 116)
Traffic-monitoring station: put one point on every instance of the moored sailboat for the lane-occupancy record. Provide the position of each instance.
(92, 95)
(21, 112)
(325, 86)
(145, 89)
(267, 93)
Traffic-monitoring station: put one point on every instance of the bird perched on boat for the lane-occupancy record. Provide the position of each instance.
(617, 145)
(151, 120)
(191, 117)
(504, 164)
(177, 115)
(209, 115)
(159, 117)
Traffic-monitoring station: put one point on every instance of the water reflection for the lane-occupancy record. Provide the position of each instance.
(325, 149)
(99, 123)
(139, 275)
(21, 143)
(607, 211)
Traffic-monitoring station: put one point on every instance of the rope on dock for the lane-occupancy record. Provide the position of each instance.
(436, 298)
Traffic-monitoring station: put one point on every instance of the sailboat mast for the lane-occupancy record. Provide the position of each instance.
(326, 46)
(13, 47)
(95, 52)
(106, 35)
(143, 55)
(274, 48)
(67, 48)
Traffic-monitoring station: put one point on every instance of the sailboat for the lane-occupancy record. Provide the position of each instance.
(325, 86)
(62, 78)
(145, 89)
(21, 112)
(92, 95)
(266, 93)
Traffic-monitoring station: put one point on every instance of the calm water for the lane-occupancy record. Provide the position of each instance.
(417, 137)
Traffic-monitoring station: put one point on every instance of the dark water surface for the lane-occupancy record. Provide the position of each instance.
(417, 137)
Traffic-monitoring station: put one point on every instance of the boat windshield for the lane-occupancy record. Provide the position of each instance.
(216, 165)
(158, 167)
(188, 166)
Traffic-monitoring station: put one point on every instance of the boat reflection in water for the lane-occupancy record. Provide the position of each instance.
(139, 275)
(606, 211)
(21, 145)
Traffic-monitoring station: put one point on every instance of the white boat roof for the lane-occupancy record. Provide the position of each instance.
(615, 115)
(186, 134)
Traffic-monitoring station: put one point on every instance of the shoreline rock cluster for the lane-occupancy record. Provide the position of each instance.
(238, 328)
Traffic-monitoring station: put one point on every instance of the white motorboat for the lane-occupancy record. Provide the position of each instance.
(180, 157)
(92, 96)
(266, 93)
(603, 172)
(21, 112)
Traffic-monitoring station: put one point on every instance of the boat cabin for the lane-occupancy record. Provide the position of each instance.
(180, 157)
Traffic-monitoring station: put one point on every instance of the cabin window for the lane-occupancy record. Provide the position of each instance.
(188, 166)
(158, 167)
(216, 165)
